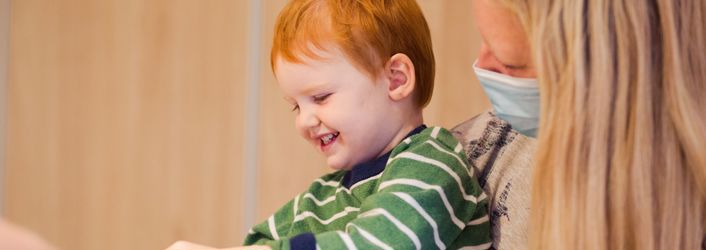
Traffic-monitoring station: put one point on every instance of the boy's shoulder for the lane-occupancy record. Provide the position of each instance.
(327, 183)
(433, 145)
(437, 137)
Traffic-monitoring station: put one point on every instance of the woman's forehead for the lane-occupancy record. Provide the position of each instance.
(502, 31)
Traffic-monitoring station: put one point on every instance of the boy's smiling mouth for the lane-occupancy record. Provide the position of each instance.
(328, 138)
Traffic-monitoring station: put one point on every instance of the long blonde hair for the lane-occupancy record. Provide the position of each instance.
(621, 162)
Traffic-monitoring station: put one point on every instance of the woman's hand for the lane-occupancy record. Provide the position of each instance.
(185, 245)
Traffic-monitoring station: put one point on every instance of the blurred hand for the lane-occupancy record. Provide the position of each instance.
(15, 237)
(185, 245)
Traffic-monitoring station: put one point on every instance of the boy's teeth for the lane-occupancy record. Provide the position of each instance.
(326, 139)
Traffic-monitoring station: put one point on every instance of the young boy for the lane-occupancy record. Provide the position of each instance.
(358, 73)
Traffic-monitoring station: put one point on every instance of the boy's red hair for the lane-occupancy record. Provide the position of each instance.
(368, 32)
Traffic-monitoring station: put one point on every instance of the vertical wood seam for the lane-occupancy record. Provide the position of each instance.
(4, 61)
(252, 115)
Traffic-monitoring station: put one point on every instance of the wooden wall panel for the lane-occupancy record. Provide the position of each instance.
(4, 54)
(457, 94)
(125, 121)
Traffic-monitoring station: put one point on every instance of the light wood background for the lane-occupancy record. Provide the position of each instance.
(126, 120)
(4, 34)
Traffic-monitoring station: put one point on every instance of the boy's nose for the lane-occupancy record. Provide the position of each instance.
(307, 118)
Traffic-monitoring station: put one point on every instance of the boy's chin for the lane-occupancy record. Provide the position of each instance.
(337, 164)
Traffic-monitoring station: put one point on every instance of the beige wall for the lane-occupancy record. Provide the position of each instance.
(128, 119)
(4, 33)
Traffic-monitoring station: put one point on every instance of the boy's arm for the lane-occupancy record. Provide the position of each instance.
(269, 232)
(399, 217)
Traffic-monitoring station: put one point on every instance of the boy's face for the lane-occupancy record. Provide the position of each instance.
(343, 112)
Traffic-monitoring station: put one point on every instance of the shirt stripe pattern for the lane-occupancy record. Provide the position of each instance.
(425, 198)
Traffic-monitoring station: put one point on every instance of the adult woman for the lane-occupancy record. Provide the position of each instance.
(501, 143)
(620, 161)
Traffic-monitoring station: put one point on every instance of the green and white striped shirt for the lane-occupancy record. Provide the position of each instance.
(424, 197)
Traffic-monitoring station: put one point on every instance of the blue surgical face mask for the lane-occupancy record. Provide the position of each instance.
(515, 100)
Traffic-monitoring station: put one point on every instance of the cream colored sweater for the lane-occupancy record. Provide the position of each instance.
(503, 157)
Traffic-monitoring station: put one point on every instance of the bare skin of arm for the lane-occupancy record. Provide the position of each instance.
(185, 245)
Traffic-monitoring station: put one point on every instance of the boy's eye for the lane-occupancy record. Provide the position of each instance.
(321, 98)
(295, 108)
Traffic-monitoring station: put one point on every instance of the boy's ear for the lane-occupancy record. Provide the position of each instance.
(399, 71)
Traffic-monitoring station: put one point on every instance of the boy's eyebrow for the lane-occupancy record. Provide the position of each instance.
(314, 87)
(288, 99)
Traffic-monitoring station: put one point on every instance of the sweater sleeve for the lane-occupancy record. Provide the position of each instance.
(272, 231)
(276, 230)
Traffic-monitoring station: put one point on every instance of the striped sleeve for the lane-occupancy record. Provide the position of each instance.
(272, 231)
(277, 230)
(426, 199)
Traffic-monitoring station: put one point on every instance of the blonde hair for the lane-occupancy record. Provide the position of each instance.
(368, 32)
(621, 162)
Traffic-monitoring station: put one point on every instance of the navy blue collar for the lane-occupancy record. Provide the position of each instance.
(373, 167)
